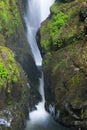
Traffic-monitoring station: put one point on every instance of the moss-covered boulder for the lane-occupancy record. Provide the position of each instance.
(14, 93)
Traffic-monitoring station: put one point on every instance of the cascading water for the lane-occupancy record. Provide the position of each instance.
(37, 11)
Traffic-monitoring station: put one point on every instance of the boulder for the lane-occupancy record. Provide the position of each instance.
(14, 93)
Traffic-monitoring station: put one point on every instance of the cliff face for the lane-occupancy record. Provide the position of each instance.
(14, 93)
(12, 35)
(64, 45)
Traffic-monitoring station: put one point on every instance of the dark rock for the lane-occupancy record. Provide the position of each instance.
(64, 1)
(85, 29)
(83, 14)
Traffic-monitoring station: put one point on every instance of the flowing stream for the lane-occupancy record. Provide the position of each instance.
(36, 12)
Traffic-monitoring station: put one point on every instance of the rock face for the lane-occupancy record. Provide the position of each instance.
(65, 78)
(12, 34)
(64, 43)
(14, 93)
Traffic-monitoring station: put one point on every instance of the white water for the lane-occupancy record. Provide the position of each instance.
(39, 119)
(37, 11)
(5, 118)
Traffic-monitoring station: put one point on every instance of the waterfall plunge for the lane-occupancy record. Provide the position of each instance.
(37, 11)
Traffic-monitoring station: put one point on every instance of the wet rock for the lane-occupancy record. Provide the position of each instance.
(5, 118)
(83, 14)
(14, 93)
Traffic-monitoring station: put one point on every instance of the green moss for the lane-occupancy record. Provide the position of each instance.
(8, 91)
(8, 68)
(59, 21)
(66, 67)
(55, 28)
(75, 80)
(62, 26)
(62, 62)
(85, 112)
(2, 39)
(9, 16)
(14, 79)
(76, 101)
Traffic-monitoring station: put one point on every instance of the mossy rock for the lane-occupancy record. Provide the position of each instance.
(9, 16)
(14, 93)
(66, 78)
(62, 25)
(8, 67)
(64, 41)
(2, 40)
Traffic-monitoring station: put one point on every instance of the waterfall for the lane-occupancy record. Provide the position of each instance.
(37, 11)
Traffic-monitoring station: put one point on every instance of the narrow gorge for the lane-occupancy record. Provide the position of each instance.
(36, 12)
(43, 65)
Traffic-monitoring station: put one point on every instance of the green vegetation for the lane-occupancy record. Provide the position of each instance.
(59, 64)
(8, 67)
(62, 26)
(55, 27)
(8, 16)
(58, 23)
(64, 40)
(66, 68)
